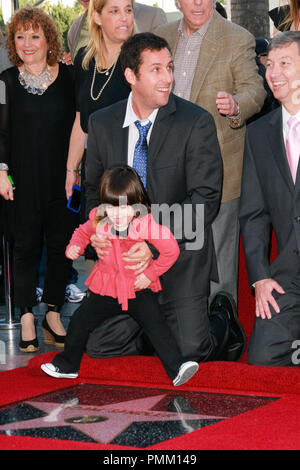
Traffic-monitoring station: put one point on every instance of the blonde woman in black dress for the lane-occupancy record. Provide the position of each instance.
(99, 78)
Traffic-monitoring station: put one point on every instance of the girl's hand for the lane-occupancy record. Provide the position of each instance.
(73, 252)
(142, 282)
(101, 245)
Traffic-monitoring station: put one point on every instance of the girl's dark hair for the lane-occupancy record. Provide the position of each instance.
(122, 181)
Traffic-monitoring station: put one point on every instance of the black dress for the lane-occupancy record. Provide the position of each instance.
(34, 141)
(117, 88)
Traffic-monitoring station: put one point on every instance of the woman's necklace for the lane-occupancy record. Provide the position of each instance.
(106, 72)
(36, 84)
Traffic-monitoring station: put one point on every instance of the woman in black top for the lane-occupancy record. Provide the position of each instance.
(286, 17)
(117, 89)
(36, 117)
(98, 75)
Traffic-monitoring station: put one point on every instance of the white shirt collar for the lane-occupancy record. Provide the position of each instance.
(131, 117)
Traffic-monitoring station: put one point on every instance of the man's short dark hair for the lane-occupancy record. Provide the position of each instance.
(285, 39)
(131, 51)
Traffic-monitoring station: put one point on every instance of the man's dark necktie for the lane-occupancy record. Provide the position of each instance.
(141, 151)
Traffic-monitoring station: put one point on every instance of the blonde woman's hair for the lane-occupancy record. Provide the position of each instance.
(95, 44)
(292, 15)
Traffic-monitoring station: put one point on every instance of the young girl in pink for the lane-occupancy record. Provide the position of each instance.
(124, 218)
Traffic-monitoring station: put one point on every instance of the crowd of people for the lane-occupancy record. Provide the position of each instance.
(191, 117)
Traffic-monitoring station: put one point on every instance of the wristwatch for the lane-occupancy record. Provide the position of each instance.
(235, 120)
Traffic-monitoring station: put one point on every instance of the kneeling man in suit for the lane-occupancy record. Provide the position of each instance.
(271, 198)
(173, 145)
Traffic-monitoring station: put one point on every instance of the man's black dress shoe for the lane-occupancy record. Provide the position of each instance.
(236, 344)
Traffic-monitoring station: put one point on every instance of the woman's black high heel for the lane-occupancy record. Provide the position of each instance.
(33, 344)
(50, 336)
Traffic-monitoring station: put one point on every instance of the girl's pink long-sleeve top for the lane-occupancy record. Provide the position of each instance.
(109, 276)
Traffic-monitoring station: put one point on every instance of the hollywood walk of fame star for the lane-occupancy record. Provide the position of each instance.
(113, 419)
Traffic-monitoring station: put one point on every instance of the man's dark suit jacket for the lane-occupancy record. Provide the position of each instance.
(184, 166)
(269, 199)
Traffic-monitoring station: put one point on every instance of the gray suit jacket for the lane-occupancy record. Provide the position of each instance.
(184, 168)
(269, 199)
(147, 18)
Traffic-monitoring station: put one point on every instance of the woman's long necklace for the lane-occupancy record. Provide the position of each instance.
(36, 84)
(106, 72)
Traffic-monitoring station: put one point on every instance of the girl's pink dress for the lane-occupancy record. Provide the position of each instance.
(109, 276)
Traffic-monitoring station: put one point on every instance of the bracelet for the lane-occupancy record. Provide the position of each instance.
(237, 115)
(235, 121)
(73, 171)
(3, 167)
